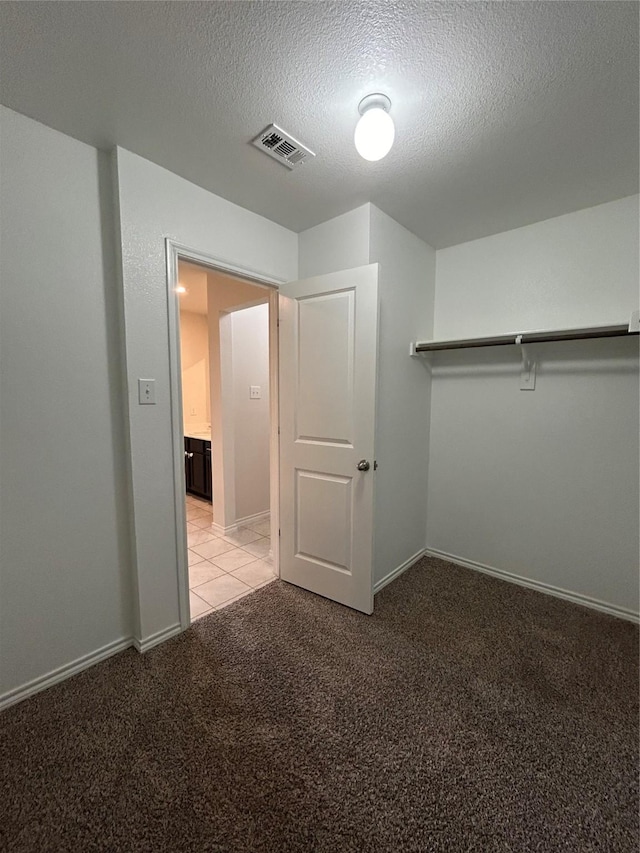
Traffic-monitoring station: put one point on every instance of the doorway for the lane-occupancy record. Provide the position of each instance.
(323, 337)
(225, 327)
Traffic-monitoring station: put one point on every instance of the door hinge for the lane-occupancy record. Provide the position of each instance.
(278, 531)
(375, 465)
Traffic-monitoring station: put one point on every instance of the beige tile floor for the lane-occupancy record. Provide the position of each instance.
(223, 569)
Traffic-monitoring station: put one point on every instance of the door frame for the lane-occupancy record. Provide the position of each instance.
(174, 252)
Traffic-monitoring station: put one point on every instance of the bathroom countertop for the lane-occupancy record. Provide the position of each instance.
(206, 436)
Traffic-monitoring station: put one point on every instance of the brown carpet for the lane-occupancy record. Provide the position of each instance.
(467, 714)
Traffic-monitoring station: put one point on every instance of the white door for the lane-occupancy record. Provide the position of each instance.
(328, 349)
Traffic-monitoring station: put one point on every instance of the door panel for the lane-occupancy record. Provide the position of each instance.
(324, 503)
(198, 474)
(328, 349)
(197, 461)
(325, 368)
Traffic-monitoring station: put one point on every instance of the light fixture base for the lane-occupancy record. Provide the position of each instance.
(377, 99)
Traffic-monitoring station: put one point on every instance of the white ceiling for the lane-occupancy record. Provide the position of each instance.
(195, 279)
(506, 113)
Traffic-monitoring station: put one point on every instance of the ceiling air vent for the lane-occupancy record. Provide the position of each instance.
(282, 147)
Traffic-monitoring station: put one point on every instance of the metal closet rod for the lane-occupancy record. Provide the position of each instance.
(528, 338)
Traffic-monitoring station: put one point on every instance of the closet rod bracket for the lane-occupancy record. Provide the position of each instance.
(528, 372)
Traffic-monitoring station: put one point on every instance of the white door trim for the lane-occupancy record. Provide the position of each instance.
(175, 251)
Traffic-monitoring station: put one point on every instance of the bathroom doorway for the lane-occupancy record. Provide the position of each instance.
(226, 328)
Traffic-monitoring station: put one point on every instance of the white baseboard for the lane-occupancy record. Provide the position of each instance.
(549, 589)
(232, 528)
(146, 643)
(259, 516)
(395, 573)
(63, 672)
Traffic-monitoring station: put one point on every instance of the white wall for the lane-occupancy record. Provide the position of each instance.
(580, 269)
(194, 361)
(154, 204)
(224, 294)
(251, 423)
(338, 244)
(406, 286)
(542, 484)
(406, 289)
(64, 561)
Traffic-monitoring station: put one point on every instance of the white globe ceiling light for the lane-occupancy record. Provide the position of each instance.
(375, 131)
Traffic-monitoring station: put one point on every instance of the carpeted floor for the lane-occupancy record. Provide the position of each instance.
(467, 714)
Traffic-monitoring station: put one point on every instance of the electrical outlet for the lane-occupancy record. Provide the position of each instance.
(255, 392)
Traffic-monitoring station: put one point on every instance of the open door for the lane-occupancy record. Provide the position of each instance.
(328, 359)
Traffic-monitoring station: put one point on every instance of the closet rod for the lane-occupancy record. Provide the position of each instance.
(526, 338)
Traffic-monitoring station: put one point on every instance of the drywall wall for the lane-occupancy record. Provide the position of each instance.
(406, 291)
(194, 360)
(338, 244)
(64, 560)
(250, 366)
(542, 484)
(224, 293)
(406, 287)
(579, 269)
(154, 204)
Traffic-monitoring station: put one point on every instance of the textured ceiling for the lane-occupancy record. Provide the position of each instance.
(506, 113)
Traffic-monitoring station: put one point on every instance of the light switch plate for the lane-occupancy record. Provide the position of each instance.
(147, 392)
(255, 392)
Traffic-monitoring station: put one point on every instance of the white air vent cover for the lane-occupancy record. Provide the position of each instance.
(282, 147)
